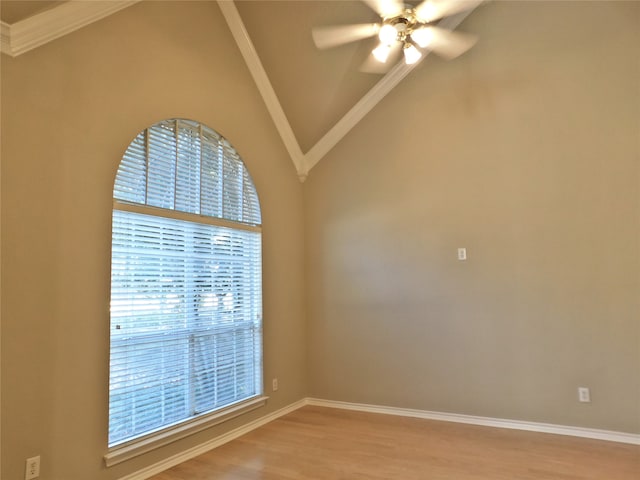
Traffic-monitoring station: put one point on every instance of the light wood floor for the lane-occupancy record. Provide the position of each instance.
(330, 444)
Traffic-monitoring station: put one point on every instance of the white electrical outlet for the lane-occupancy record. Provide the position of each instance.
(584, 395)
(33, 468)
(462, 253)
(274, 384)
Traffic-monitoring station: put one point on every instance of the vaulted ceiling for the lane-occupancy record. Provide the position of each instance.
(314, 96)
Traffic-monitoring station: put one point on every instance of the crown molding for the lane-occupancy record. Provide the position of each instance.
(42, 28)
(379, 91)
(39, 29)
(304, 162)
(260, 77)
(5, 38)
(357, 112)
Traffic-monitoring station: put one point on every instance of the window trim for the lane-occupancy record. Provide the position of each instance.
(185, 216)
(138, 446)
(167, 434)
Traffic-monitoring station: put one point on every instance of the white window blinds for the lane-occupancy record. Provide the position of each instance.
(186, 308)
(182, 165)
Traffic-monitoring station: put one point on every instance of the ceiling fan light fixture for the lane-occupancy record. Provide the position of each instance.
(411, 54)
(388, 34)
(381, 52)
(404, 27)
(422, 37)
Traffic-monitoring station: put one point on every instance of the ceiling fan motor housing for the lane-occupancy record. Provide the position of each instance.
(404, 24)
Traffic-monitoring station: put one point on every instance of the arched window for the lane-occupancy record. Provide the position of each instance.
(186, 282)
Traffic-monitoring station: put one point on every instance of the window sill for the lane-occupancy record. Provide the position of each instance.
(139, 446)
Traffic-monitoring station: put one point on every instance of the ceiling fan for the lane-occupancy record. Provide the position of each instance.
(406, 28)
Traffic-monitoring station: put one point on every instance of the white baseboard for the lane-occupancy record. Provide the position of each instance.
(607, 435)
(610, 436)
(211, 444)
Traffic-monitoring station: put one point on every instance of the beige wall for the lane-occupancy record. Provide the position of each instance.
(526, 151)
(69, 110)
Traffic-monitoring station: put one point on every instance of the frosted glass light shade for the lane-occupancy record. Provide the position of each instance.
(411, 54)
(388, 34)
(381, 52)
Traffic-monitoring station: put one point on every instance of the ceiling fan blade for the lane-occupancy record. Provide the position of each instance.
(432, 10)
(448, 43)
(332, 36)
(372, 65)
(386, 8)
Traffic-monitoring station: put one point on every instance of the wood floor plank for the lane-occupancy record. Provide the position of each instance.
(318, 443)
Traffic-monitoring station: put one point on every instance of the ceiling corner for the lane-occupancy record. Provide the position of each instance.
(37, 30)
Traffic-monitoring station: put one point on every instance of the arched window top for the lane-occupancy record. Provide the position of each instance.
(182, 165)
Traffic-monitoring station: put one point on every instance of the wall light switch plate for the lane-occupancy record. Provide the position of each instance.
(32, 468)
(584, 395)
